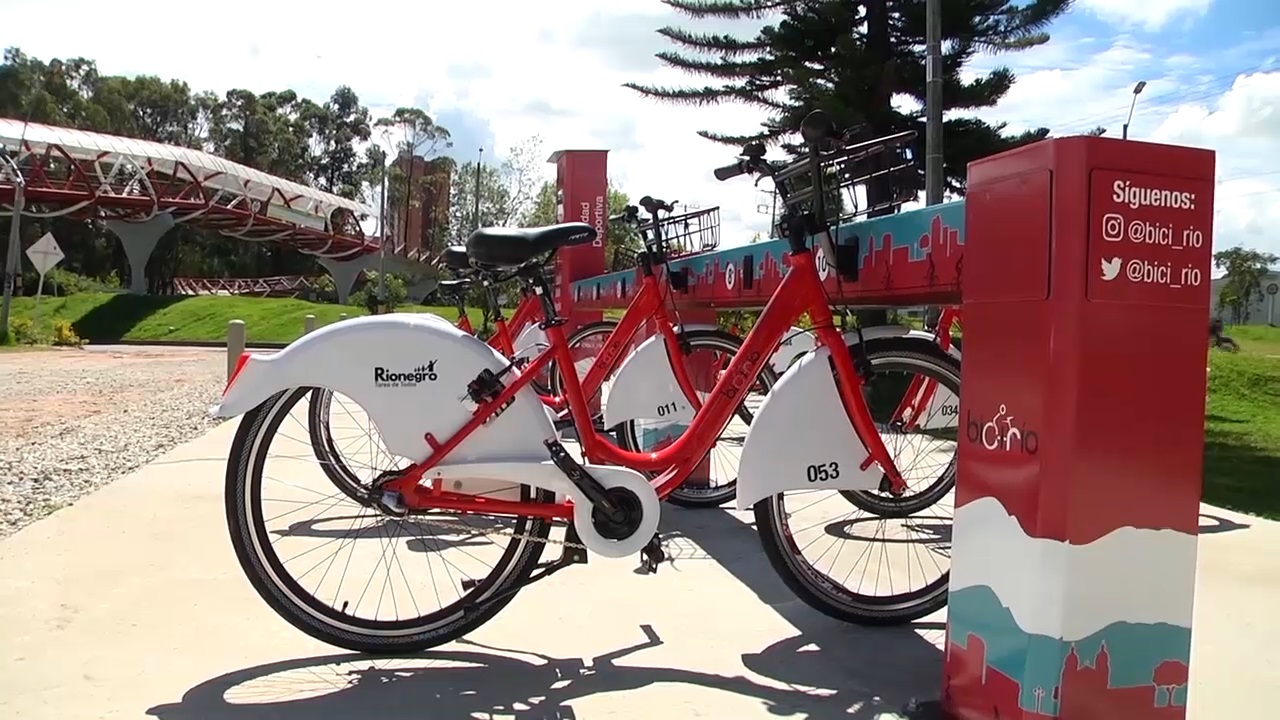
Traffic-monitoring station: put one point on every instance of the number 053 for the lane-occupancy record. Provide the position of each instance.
(823, 472)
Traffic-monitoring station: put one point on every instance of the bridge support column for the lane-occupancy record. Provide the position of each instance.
(420, 288)
(345, 272)
(1081, 433)
(139, 240)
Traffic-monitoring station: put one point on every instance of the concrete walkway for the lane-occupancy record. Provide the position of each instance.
(130, 604)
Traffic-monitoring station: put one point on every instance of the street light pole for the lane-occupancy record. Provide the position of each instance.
(382, 232)
(12, 260)
(933, 165)
(14, 254)
(479, 160)
(1137, 90)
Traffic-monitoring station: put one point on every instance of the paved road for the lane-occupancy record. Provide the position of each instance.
(130, 604)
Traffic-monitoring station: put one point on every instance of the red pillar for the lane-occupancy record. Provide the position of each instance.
(582, 195)
(1085, 295)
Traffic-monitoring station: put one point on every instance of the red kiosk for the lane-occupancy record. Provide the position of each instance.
(1085, 297)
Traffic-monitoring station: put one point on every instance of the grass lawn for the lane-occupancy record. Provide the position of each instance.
(1242, 424)
(106, 317)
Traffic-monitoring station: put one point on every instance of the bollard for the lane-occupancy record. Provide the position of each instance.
(235, 345)
(308, 324)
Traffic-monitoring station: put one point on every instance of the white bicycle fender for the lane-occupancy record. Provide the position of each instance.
(645, 388)
(795, 343)
(944, 407)
(409, 373)
(883, 331)
(801, 432)
(530, 343)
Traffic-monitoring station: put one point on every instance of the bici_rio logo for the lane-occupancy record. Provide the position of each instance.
(386, 378)
(1001, 434)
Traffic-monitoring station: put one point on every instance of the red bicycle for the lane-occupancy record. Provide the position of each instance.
(598, 350)
(473, 442)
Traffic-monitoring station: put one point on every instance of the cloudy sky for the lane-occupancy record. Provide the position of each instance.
(495, 72)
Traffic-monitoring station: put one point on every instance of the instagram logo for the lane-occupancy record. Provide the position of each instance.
(1112, 227)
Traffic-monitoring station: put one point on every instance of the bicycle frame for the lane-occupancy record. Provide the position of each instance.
(920, 391)
(647, 304)
(799, 292)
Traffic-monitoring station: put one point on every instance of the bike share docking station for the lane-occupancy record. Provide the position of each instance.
(1081, 422)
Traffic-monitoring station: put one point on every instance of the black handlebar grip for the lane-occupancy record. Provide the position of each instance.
(729, 172)
(817, 127)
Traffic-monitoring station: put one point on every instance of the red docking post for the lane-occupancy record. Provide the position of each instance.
(1082, 417)
(582, 195)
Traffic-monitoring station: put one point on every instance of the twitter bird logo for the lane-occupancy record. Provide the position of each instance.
(1110, 268)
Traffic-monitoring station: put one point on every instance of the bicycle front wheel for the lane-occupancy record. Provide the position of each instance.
(872, 568)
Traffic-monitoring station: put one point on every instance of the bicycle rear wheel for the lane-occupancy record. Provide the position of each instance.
(791, 524)
(709, 352)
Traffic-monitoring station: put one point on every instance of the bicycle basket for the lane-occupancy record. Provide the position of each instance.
(847, 172)
(623, 259)
(687, 233)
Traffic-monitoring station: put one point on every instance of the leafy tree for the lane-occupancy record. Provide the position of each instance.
(314, 143)
(508, 191)
(410, 133)
(1246, 269)
(853, 59)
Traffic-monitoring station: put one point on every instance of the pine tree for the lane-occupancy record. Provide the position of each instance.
(853, 58)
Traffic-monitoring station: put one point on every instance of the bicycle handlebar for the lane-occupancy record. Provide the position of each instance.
(630, 213)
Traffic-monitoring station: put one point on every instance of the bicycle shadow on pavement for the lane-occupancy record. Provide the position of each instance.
(892, 664)
(827, 669)
(490, 680)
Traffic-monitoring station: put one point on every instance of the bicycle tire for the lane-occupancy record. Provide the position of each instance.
(319, 432)
(691, 496)
(816, 589)
(885, 505)
(600, 327)
(301, 609)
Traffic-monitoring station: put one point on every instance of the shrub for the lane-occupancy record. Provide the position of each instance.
(367, 296)
(60, 281)
(65, 335)
(24, 332)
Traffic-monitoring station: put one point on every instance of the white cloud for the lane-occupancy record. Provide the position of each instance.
(496, 73)
(1148, 14)
(1243, 125)
(1071, 86)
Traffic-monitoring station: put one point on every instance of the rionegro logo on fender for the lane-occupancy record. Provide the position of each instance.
(386, 378)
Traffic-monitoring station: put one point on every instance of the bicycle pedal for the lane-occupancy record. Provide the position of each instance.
(651, 556)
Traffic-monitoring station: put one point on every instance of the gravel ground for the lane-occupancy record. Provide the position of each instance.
(72, 421)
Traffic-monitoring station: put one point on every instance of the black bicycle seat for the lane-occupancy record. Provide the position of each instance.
(512, 247)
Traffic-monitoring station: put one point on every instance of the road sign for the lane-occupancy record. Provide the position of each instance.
(45, 254)
(1273, 288)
